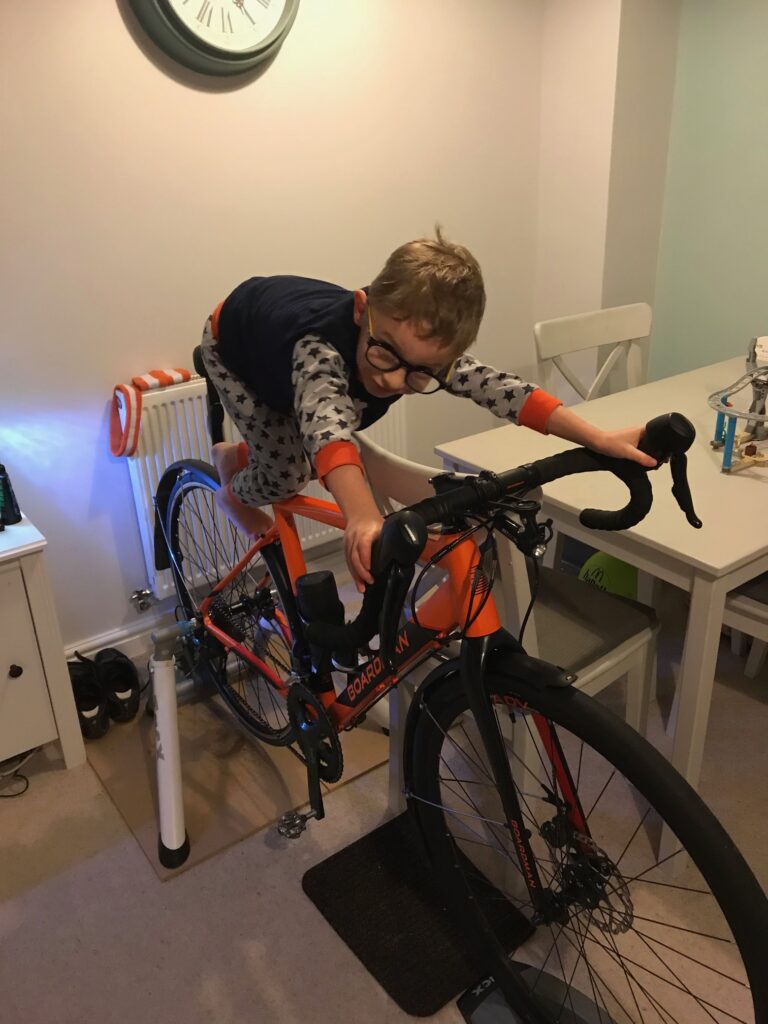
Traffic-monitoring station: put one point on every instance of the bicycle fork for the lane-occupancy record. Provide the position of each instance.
(474, 653)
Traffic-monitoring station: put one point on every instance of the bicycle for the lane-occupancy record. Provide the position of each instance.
(563, 839)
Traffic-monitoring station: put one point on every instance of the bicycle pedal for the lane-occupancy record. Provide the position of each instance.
(292, 824)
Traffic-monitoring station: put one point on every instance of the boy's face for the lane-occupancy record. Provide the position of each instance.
(400, 336)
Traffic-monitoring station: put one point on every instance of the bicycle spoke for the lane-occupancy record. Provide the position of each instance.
(679, 952)
(590, 973)
(646, 993)
(675, 976)
(680, 928)
(705, 1004)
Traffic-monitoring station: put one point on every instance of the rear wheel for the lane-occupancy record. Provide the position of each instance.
(204, 548)
(630, 934)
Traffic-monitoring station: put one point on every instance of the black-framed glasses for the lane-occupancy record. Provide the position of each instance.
(419, 379)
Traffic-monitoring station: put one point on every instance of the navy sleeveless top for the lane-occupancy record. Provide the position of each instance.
(263, 318)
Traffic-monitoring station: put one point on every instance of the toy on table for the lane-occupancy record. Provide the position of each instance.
(749, 448)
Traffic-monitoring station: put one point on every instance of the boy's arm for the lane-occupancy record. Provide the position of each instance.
(327, 417)
(621, 444)
(364, 521)
(510, 398)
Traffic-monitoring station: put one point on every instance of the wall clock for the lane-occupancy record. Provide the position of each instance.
(217, 37)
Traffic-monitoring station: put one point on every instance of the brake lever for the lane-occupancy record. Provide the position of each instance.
(682, 492)
(395, 552)
(398, 583)
(667, 438)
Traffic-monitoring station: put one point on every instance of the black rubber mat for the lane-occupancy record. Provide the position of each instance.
(377, 894)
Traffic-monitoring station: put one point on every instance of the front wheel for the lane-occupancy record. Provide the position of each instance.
(651, 913)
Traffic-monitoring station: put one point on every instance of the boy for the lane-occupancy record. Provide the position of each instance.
(300, 364)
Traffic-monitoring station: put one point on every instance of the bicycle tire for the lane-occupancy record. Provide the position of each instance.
(204, 547)
(717, 898)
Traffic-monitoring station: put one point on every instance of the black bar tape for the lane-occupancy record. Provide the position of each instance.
(582, 460)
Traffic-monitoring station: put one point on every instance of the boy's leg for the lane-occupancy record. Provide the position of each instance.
(269, 466)
(228, 459)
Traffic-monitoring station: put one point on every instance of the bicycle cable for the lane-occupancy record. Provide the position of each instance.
(487, 523)
(435, 559)
(534, 595)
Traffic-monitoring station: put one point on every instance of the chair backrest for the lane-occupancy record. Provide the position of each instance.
(620, 333)
(396, 481)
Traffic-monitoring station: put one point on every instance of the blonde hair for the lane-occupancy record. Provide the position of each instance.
(435, 284)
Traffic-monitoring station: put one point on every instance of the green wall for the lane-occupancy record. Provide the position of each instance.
(712, 277)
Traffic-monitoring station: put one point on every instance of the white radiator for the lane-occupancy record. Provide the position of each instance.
(174, 427)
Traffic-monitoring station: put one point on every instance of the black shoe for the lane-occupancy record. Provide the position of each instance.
(120, 683)
(91, 704)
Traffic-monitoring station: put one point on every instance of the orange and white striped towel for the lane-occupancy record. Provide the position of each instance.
(125, 415)
(160, 379)
(124, 420)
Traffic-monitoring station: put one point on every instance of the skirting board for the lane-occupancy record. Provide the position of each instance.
(134, 640)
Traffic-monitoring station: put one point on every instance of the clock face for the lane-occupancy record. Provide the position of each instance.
(234, 26)
(217, 37)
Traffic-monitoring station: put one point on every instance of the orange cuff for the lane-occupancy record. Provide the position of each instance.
(538, 407)
(215, 321)
(337, 453)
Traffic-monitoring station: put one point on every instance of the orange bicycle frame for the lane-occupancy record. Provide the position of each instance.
(450, 605)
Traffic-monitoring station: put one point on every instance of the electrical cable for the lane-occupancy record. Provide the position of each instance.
(13, 773)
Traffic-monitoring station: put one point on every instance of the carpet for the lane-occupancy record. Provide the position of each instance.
(233, 786)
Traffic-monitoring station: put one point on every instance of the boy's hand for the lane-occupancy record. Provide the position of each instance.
(622, 444)
(361, 532)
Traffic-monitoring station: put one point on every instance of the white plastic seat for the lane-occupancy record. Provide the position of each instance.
(574, 625)
(620, 336)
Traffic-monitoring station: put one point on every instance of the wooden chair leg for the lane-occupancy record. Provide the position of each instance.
(738, 642)
(649, 593)
(554, 553)
(640, 683)
(756, 658)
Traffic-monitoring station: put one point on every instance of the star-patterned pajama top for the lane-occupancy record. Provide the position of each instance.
(281, 352)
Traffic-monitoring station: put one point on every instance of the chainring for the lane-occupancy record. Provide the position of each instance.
(313, 728)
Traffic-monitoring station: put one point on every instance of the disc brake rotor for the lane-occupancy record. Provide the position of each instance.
(589, 878)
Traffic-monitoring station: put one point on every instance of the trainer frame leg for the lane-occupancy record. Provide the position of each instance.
(173, 841)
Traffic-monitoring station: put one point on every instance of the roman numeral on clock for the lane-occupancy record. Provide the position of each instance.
(206, 9)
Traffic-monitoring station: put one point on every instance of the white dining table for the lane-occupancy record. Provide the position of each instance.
(730, 548)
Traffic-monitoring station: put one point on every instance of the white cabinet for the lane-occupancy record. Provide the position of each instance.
(36, 702)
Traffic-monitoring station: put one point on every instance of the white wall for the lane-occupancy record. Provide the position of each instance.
(578, 86)
(136, 196)
(711, 287)
(645, 81)
(608, 73)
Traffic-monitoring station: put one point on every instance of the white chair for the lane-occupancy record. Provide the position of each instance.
(574, 625)
(621, 336)
(746, 611)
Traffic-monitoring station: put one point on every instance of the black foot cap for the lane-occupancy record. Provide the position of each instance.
(172, 858)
